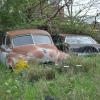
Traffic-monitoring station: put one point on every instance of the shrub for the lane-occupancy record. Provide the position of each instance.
(50, 73)
(77, 64)
(37, 72)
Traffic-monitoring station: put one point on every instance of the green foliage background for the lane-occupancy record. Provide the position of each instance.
(22, 14)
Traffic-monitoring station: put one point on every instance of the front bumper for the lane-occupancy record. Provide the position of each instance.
(87, 54)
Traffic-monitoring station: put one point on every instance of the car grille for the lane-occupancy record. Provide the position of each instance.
(85, 49)
(48, 62)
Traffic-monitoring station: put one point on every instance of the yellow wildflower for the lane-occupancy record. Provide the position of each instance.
(21, 64)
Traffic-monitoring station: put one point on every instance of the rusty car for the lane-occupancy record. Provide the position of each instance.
(81, 45)
(29, 44)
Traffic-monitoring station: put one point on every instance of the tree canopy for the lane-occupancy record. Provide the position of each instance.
(48, 15)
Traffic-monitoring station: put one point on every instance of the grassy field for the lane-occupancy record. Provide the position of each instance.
(39, 81)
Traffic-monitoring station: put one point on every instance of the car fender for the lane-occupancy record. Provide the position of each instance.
(3, 57)
(13, 58)
(61, 56)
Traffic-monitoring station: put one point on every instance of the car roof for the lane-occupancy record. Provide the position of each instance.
(26, 31)
(66, 35)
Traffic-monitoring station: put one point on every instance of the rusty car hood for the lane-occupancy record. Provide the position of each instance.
(29, 48)
(41, 51)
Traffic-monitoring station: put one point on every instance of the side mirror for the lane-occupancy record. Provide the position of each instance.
(3, 47)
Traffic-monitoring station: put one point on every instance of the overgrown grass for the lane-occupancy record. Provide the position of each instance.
(35, 83)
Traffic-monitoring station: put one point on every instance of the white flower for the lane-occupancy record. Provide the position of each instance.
(6, 83)
(8, 91)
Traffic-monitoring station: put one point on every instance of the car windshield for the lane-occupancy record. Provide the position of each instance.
(22, 40)
(79, 39)
(41, 39)
(31, 39)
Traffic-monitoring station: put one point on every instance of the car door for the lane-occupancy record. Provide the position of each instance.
(5, 48)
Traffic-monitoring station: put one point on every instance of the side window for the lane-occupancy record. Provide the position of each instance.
(3, 40)
(8, 42)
